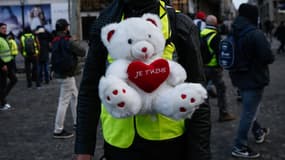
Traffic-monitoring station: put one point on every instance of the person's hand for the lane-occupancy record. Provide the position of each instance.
(83, 157)
(4, 68)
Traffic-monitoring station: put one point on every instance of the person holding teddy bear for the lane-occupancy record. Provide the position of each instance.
(141, 134)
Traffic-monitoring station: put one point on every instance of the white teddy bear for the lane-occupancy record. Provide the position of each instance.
(139, 81)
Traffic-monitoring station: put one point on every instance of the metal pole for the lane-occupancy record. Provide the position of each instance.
(23, 14)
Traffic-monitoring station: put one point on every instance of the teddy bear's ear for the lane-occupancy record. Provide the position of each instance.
(107, 32)
(154, 19)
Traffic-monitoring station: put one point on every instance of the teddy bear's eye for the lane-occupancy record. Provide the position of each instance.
(130, 41)
(149, 36)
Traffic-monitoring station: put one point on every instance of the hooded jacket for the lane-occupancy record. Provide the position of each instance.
(187, 45)
(256, 47)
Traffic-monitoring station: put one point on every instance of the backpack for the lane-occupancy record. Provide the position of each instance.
(62, 60)
(29, 43)
(231, 56)
(205, 52)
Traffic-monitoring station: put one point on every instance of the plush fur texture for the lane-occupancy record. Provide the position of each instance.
(139, 81)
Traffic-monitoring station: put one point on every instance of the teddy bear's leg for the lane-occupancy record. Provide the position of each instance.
(181, 101)
(119, 98)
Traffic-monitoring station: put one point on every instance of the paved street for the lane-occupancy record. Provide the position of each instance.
(26, 131)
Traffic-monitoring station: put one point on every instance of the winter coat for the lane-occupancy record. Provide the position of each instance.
(44, 41)
(258, 50)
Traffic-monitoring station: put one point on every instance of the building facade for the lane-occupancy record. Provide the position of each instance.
(270, 10)
(82, 13)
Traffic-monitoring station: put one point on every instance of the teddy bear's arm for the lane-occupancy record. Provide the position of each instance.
(177, 74)
(118, 69)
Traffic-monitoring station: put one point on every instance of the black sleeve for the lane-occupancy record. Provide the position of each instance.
(1, 63)
(264, 55)
(89, 104)
(198, 128)
(187, 46)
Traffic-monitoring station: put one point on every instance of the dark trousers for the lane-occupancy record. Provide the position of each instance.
(215, 75)
(32, 71)
(5, 85)
(281, 47)
(43, 71)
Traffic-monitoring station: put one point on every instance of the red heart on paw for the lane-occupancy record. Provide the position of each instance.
(148, 77)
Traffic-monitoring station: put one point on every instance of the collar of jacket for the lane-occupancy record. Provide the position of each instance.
(3, 35)
(211, 27)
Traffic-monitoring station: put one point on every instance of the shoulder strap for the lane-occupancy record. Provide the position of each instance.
(172, 23)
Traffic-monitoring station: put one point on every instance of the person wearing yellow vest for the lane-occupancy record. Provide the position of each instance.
(213, 71)
(6, 68)
(14, 48)
(30, 53)
(140, 137)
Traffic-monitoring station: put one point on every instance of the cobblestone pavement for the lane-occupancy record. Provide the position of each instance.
(26, 131)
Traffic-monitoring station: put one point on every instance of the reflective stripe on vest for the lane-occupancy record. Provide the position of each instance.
(213, 62)
(5, 53)
(23, 43)
(13, 46)
(120, 132)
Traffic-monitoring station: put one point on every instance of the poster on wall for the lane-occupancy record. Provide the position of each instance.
(12, 16)
(34, 16)
(38, 15)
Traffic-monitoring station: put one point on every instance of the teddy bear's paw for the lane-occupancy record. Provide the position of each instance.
(120, 99)
(181, 101)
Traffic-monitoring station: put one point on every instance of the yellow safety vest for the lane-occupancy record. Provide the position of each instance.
(23, 43)
(120, 132)
(5, 53)
(213, 62)
(14, 47)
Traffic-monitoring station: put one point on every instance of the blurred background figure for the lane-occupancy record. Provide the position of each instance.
(199, 20)
(44, 39)
(280, 35)
(13, 48)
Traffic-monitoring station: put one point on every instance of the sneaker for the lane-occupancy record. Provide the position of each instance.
(5, 107)
(226, 117)
(244, 152)
(63, 135)
(264, 132)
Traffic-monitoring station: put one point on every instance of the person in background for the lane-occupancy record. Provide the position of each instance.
(44, 38)
(252, 81)
(29, 47)
(139, 137)
(14, 49)
(199, 20)
(213, 71)
(68, 89)
(280, 35)
(6, 68)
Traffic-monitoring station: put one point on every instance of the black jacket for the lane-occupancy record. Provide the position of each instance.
(257, 48)
(44, 42)
(187, 45)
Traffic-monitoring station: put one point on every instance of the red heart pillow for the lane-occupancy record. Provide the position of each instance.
(148, 77)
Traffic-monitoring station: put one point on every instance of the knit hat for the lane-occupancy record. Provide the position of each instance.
(201, 15)
(249, 11)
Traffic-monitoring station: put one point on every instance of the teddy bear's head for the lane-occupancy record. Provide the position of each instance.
(137, 38)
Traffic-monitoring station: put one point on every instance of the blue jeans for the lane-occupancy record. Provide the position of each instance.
(251, 99)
